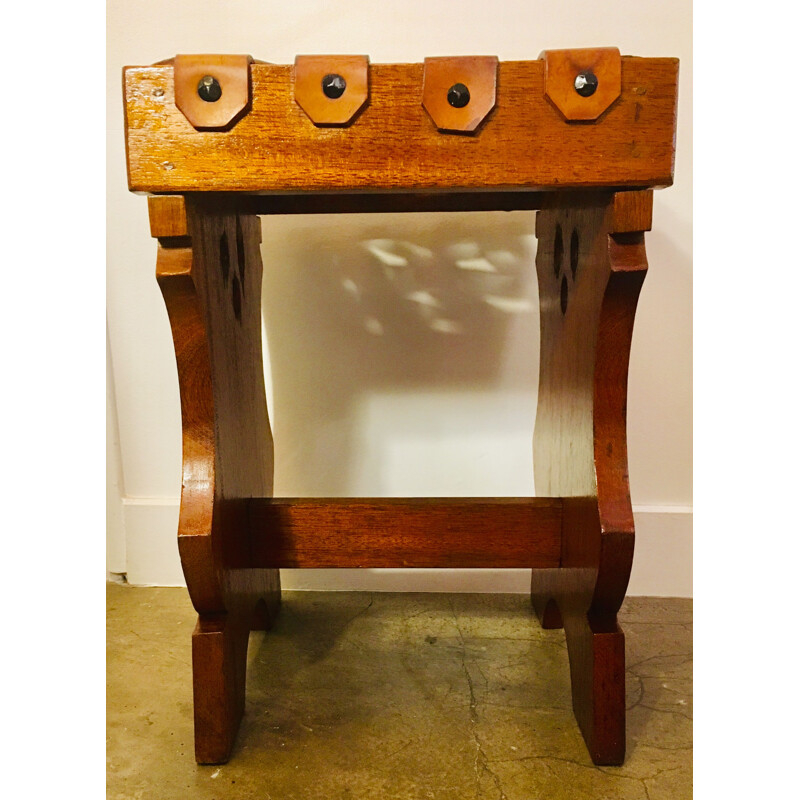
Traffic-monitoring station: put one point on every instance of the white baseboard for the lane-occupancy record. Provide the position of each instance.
(151, 528)
(662, 565)
(662, 556)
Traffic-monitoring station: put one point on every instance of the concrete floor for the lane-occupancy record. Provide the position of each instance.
(395, 696)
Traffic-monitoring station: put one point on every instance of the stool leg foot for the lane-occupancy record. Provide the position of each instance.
(597, 671)
(219, 661)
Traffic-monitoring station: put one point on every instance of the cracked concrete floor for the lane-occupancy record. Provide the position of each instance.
(395, 696)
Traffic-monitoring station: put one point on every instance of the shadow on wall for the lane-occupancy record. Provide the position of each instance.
(424, 325)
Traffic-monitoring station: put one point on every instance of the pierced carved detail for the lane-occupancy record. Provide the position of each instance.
(234, 281)
(564, 276)
(591, 265)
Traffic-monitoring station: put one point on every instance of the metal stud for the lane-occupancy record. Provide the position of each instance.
(333, 86)
(209, 89)
(586, 83)
(458, 95)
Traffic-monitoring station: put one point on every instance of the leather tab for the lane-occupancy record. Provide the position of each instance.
(233, 75)
(562, 67)
(322, 110)
(477, 73)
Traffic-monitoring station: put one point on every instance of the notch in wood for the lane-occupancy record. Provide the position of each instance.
(444, 79)
(562, 68)
(231, 72)
(349, 92)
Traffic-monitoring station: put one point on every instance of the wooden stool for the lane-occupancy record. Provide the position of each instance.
(583, 136)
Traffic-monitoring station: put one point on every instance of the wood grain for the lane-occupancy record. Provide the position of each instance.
(212, 292)
(233, 537)
(168, 218)
(219, 663)
(589, 281)
(423, 532)
(393, 146)
(211, 283)
(633, 212)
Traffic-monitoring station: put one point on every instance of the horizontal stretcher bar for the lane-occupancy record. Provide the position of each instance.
(429, 532)
(392, 144)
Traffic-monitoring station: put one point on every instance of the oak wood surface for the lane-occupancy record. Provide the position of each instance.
(422, 532)
(219, 664)
(395, 146)
(589, 280)
(233, 536)
(591, 262)
(212, 292)
(168, 219)
(633, 212)
(210, 276)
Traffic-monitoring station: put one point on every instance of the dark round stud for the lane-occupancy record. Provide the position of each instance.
(333, 86)
(586, 83)
(458, 95)
(209, 89)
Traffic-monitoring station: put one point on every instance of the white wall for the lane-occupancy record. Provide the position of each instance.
(363, 402)
(116, 561)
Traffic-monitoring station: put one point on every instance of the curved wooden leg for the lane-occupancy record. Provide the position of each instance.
(590, 264)
(209, 271)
